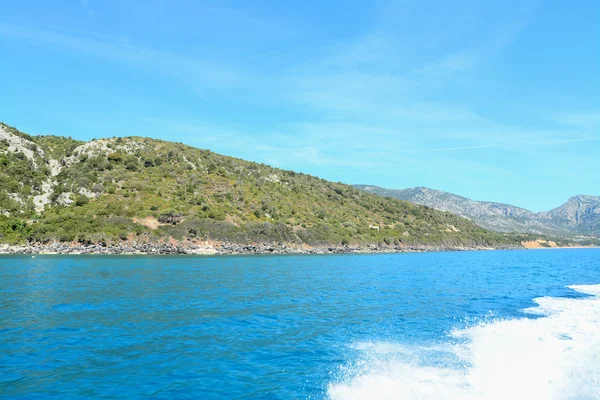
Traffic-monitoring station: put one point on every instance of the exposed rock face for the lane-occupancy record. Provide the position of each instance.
(18, 144)
(579, 215)
(38, 158)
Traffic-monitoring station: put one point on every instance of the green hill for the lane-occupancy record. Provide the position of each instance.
(56, 189)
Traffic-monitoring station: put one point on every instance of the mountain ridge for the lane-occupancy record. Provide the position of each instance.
(580, 215)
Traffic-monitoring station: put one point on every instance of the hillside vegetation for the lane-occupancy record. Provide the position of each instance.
(56, 189)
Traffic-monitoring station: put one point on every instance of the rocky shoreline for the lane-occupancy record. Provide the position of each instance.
(134, 248)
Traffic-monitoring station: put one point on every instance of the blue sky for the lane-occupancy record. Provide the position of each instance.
(491, 100)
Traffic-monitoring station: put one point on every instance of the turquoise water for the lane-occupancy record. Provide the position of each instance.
(481, 325)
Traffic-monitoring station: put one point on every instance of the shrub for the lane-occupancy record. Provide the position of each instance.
(169, 218)
(81, 201)
(98, 188)
(132, 163)
(116, 157)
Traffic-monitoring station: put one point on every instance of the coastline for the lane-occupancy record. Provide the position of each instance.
(211, 248)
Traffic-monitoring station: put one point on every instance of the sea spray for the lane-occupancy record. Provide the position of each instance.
(553, 356)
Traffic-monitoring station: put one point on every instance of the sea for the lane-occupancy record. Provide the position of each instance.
(449, 325)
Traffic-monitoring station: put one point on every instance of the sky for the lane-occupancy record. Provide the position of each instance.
(490, 100)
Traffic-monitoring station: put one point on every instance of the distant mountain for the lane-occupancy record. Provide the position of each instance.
(580, 215)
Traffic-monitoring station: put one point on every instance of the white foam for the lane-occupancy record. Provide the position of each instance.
(556, 356)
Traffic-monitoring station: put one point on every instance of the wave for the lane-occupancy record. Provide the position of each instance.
(555, 356)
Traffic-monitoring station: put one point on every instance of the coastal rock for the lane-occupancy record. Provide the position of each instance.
(127, 248)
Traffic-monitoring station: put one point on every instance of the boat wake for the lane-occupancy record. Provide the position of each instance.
(555, 356)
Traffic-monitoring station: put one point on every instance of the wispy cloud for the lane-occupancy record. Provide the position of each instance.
(373, 101)
(563, 141)
(201, 75)
(504, 144)
(583, 119)
(452, 63)
(86, 6)
(390, 84)
(444, 149)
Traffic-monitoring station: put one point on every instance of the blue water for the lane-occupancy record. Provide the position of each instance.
(276, 327)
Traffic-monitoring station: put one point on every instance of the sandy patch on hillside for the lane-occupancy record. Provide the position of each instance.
(148, 222)
(538, 244)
